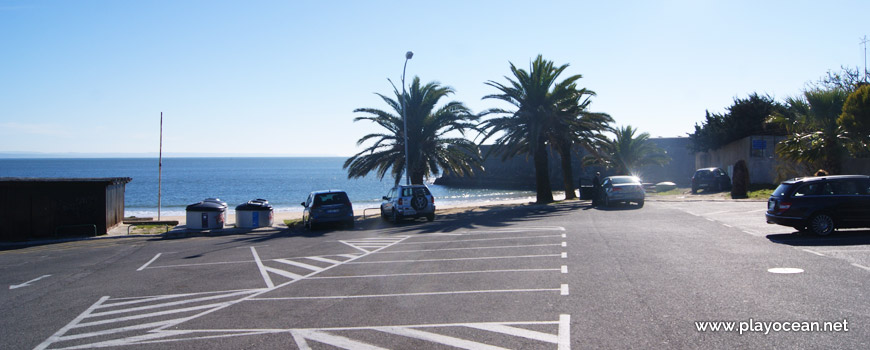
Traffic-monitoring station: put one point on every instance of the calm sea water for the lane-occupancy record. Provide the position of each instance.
(285, 182)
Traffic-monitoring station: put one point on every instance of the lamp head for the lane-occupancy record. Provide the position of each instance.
(408, 55)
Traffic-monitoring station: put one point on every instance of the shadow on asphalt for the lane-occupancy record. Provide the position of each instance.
(839, 238)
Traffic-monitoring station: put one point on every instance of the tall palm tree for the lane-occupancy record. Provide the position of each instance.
(816, 139)
(626, 153)
(430, 149)
(575, 125)
(539, 100)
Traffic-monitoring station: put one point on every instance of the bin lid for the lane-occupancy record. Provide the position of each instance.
(216, 200)
(256, 204)
(206, 206)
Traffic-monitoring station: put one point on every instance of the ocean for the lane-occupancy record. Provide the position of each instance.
(284, 182)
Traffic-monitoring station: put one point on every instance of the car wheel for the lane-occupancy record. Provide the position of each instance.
(694, 190)
(383, 215)
(394, 216)
(822, 224)
(640, 203)
(430, 217)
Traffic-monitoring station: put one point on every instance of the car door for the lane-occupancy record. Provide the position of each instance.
(850, 200)
(387, 205)
(863, 201)
(307, 211)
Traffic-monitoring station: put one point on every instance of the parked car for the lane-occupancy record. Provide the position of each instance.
(821, 204)
(615, 189)
(710, 179)
(325, 207)
(408, 201)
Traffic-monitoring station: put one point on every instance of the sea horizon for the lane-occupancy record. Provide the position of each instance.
(284, 181)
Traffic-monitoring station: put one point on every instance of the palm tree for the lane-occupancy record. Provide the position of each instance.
(526, 130)
(626, 153)
(576, 126)
(430, 149)
(816, 140)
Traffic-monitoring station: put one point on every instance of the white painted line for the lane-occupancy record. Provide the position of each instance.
(334, 340)
(148, 299)
(287, 274)
(349, 256)
(564, 244)
(56, 336)
(861, 266)
(408, 294)
(510, 230)
(564, 332)
(564, 255)
(429, 273)
(456, 259)
(438, 338)
(709, 219)
(846, 251)
(162, 305)
(322, 259)
(516, 331)
(262, 268)
(726, 225)
(564, 269)
(203, 264)
(299, 264)
(564, 289)
(813, 252)
(751, 233)
(564, 235)
(483, 239)
(26, 284)
(149, 262)
(470, 248)
(148, 315)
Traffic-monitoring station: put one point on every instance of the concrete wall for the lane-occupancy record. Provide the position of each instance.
(761, 159)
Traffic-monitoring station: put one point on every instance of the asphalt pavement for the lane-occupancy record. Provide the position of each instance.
(535, 277)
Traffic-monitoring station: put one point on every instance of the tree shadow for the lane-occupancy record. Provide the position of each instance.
(838, 238)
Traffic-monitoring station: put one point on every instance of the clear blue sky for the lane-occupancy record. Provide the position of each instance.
(283, 77)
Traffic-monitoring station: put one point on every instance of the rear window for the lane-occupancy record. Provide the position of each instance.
(781, 190)
(415, 191)
(624, 180)
(703, 174)
(331, 198)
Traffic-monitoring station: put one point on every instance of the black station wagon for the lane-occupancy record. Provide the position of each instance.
(821, 204)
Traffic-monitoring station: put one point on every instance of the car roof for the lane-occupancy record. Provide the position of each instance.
(327, 191)
(708, 169)
(822, 178)
(623, 176)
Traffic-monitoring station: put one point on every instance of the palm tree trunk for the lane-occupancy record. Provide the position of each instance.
(567, 171)
(542, 174)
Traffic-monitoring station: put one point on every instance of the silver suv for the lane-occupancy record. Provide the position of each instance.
(408, 201)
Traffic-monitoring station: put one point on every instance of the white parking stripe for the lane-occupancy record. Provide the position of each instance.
(322, 259)
(456, 259)
(484, 239)
(334, 340)
(438, 338)
(471, 248)
(299, 264)
(565, 287)
(149, 262)
(430, 273)
(287, 274)
(516, 331)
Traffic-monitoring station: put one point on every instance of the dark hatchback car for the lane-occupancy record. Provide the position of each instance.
(710, 179)
(821, 204)
(327, 207)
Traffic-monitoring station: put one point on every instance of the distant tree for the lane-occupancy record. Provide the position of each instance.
(815, 137)
(745, 117)
(856, 120)
(540, 104)
(430, 149)
(626, 152)
(848, 79)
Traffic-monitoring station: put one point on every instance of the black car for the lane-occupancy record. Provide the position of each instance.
(710, 179)
(821, 204)
(323, 207)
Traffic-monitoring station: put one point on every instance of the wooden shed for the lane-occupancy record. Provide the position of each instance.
(45, 208)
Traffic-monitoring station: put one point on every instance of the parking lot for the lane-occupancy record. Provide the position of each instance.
(553, 277)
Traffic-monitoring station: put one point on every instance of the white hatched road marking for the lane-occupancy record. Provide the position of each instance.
(456, 259)
(373, 244)
(196, 305)
(563, 290)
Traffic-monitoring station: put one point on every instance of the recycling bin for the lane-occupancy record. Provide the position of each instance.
(206, 215)
(254, 213)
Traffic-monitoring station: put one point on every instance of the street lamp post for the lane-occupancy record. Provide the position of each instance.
(408, 56)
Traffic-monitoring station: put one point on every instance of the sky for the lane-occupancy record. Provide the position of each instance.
(284, 77)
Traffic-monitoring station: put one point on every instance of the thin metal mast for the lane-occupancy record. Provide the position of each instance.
(160, 167)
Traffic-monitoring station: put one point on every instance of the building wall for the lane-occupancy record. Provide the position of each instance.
(757, 151)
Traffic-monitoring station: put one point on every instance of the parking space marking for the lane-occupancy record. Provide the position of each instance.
(482, 239)
(431, 273)
(456, 259)
(471, 248)
(373, 244)
(438, 338)
(812, 252)
(564, 255)
(509, 230)
(485, 291)
(149, 262)
(564, 289)
(564, 244)
(861, 266)
(564, 268)
(299, 264)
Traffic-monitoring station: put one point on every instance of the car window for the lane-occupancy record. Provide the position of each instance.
(864, 187)
(781, 190)
(813, 189)
(848, 187)
(331, 198)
